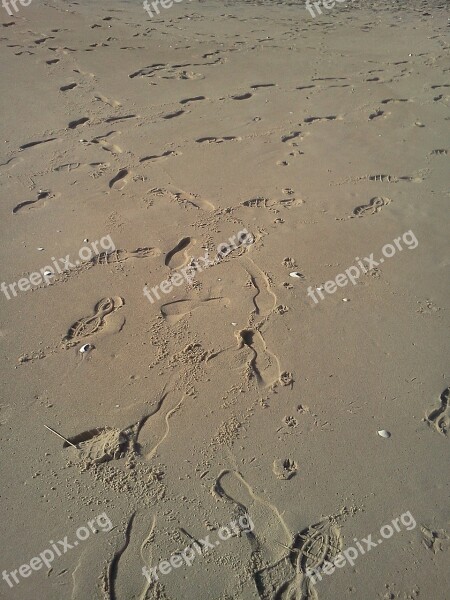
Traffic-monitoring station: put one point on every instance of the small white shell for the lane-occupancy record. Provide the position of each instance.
(383, 433)
(40, 249)
(296, 274)
(345, 299)
(85, 348)
(47, 273)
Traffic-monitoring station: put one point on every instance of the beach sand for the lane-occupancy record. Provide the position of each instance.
(240, 390)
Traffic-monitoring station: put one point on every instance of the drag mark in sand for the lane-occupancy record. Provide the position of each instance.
(112, 568)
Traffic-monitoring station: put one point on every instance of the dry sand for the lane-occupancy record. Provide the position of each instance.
(326, 138)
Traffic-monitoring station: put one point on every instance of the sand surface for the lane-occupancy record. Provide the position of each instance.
(235, 392)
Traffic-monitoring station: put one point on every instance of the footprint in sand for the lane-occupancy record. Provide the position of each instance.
(88, 326)
(173, 258)
(160, 157)
(218, 140)
(77, 123)
(174, 311)
(194, 99)
(271, 533)
(120, 118)
(108, 101)
(272, 205)
(119, 181)
(287, 557)
(114, 258)
(41, 196)
(119, 256)
(291, 136)
(287, 579)
(440, 417)
(263, 365)
(330, 118)
(186, 199)
(246, 96)
(392, 179)
(38, 142)
(69, 86)
(172, 115)
(264, 300)
(374, 206)
(195, 200)
(106, 145)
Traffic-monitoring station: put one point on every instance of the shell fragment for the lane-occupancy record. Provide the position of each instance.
(383, 433)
